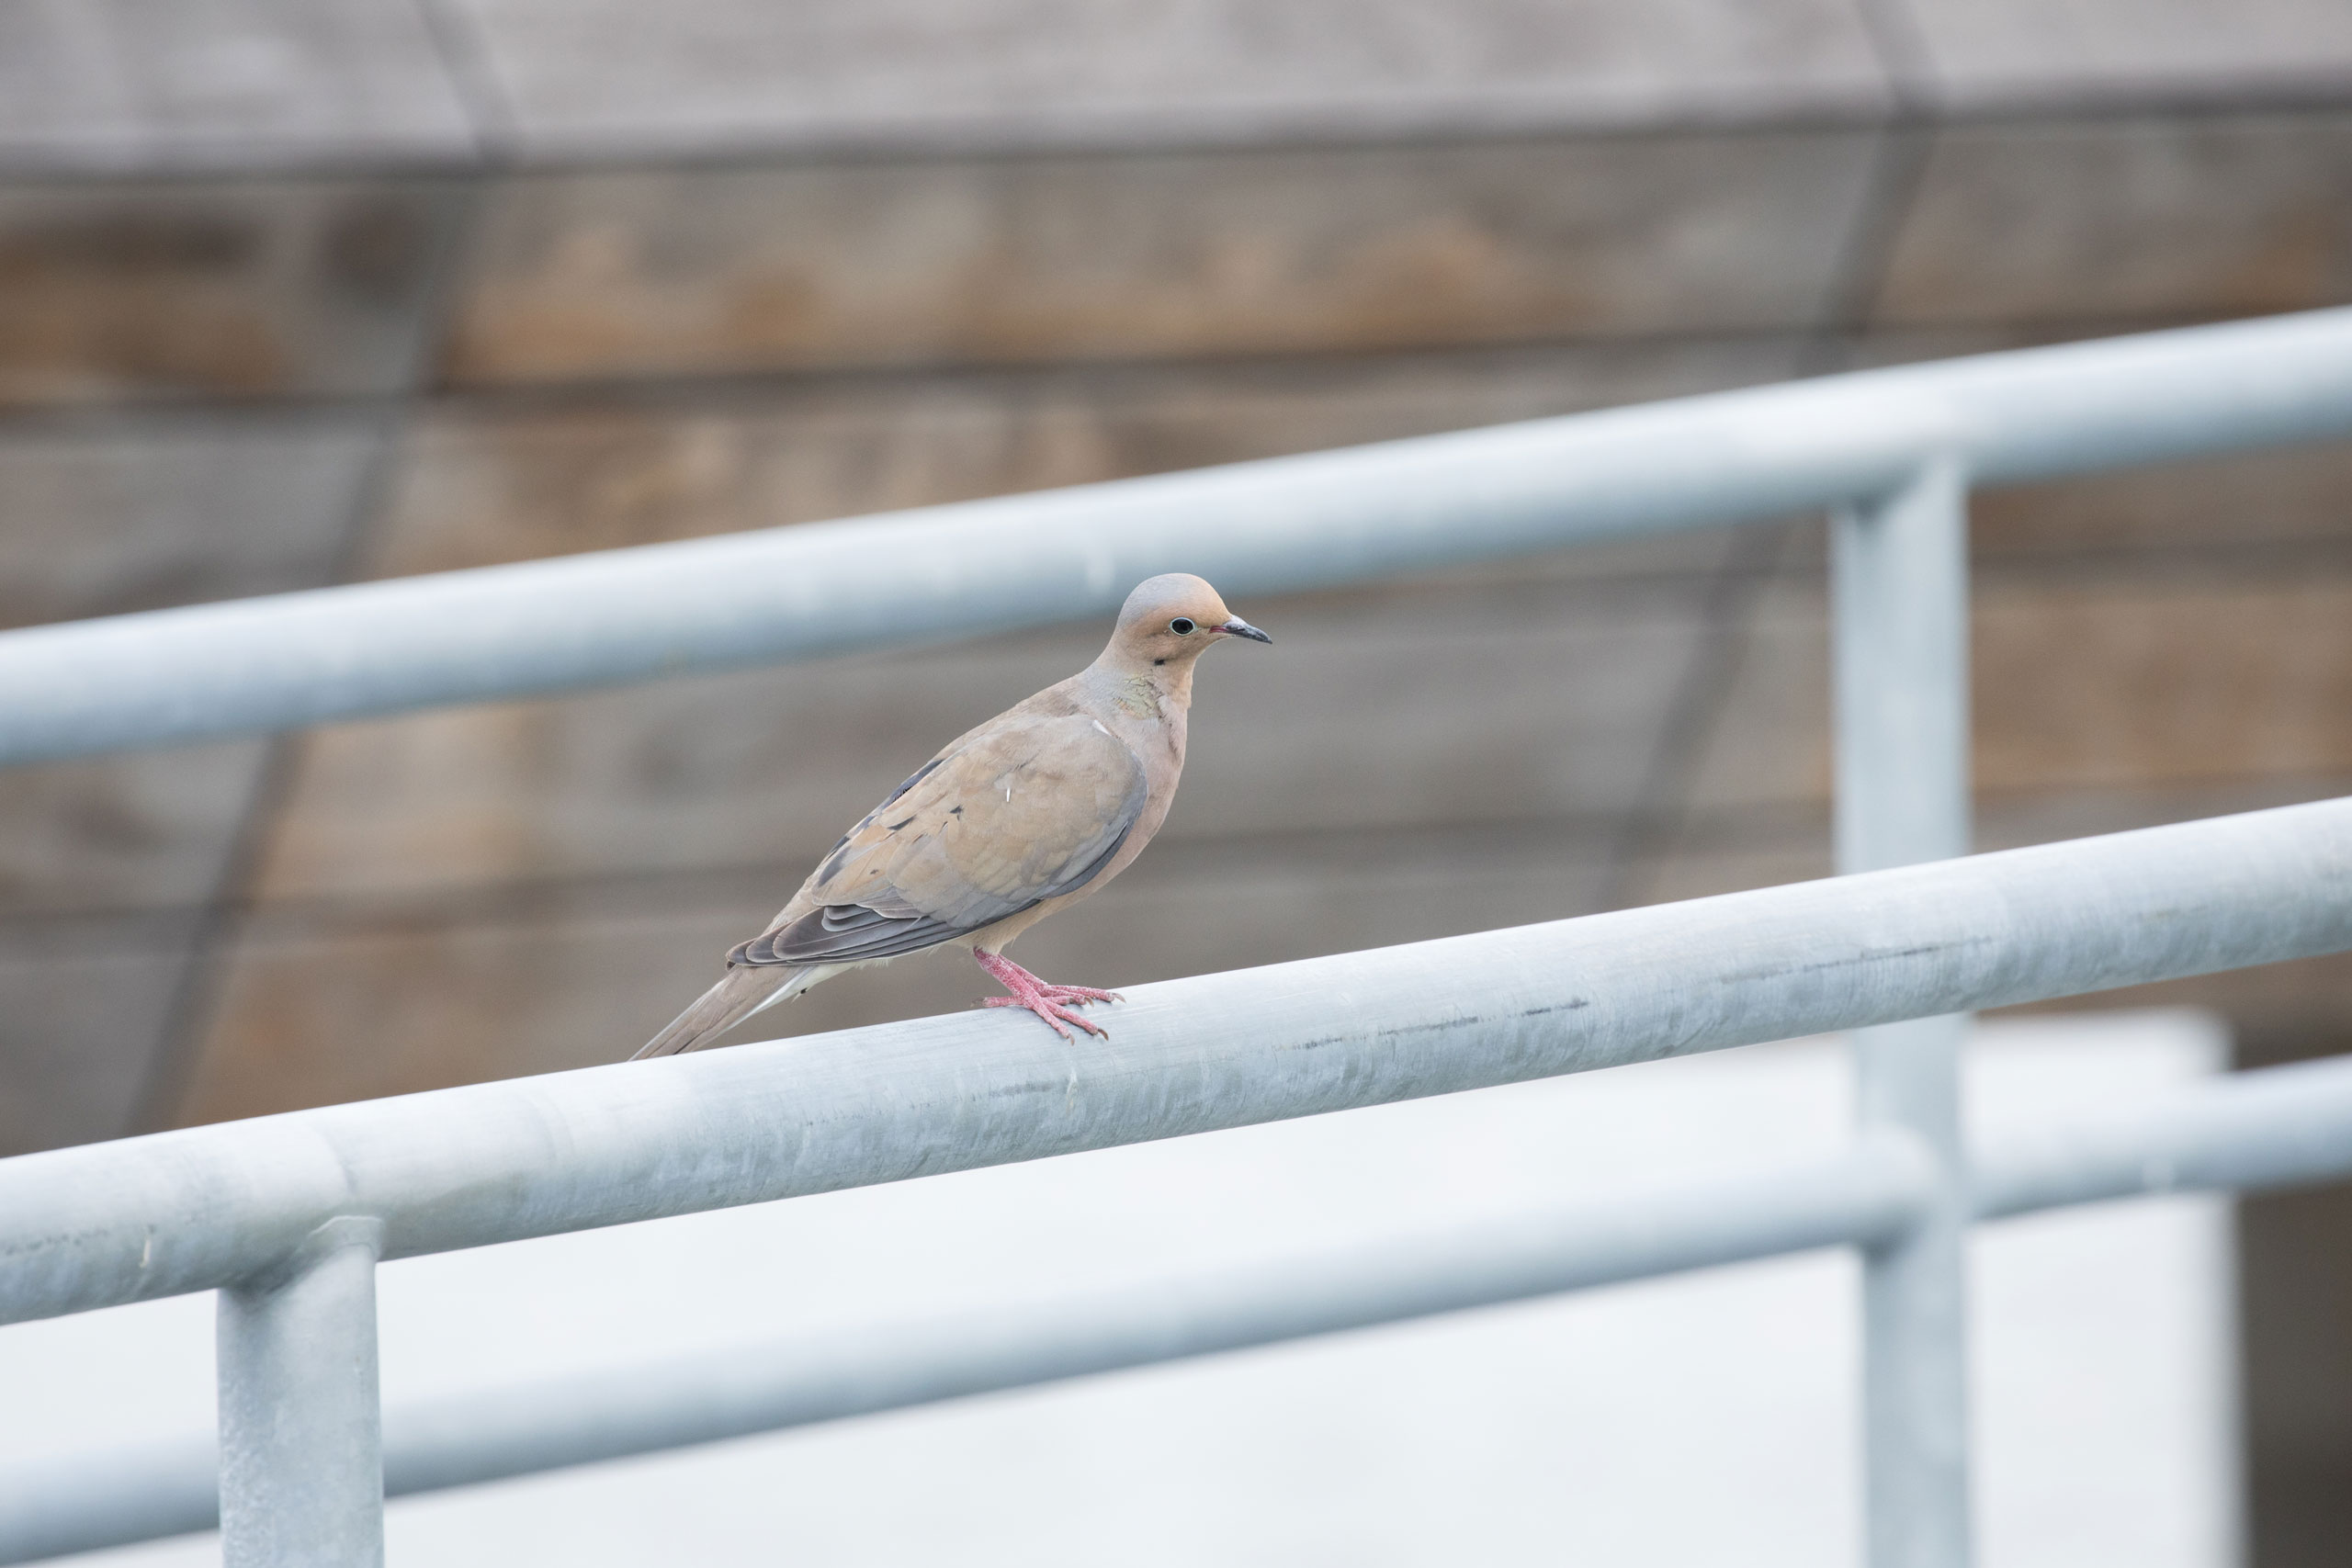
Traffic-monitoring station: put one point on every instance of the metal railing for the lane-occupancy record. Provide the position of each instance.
(286, 1217)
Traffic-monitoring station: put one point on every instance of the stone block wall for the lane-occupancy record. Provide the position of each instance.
(294, 294)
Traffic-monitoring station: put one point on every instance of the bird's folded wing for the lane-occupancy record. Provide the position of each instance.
(1023, 810)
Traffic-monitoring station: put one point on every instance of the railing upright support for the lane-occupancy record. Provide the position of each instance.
(1899, 570)
(302, 1441)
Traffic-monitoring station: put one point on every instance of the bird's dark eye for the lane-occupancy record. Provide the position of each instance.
(1181, 625)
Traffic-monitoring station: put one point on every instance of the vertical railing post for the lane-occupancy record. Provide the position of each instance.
(301, 1445)
(1899, 572)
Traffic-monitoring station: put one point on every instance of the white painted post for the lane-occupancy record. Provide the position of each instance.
(301, 1444)
(1899, 567)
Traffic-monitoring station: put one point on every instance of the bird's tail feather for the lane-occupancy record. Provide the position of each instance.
(744, 991)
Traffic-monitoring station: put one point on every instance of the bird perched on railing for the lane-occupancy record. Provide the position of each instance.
(1029, 813)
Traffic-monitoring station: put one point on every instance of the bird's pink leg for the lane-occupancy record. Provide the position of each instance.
(1052, 1003)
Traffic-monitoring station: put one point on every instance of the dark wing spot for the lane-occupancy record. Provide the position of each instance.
(955, 811)
(846, 933)
(896, 826)
(913, 779)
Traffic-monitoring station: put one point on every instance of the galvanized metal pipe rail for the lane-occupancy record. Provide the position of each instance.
(1893, 450)
(82, 1503)
(212, 1207)
(301, 1475)
(2279, 1127)
(1330, 517)
(287, 1215)
(1899, 588)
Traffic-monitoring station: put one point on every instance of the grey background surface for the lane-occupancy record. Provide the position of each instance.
(293, 294)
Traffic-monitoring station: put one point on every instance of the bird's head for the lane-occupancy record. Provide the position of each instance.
(1170, 620)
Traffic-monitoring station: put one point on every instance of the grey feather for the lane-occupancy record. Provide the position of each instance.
(736, 998)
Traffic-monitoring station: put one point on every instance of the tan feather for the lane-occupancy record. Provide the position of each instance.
(736, 998)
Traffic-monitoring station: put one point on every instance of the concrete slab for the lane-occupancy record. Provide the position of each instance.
(85, 1004)
(728, 74)
(2007, 53)
(723, 269)
(226, 289)
(114, 85)
(2125, 218)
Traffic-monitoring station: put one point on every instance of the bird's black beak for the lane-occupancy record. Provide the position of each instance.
(1239, 627)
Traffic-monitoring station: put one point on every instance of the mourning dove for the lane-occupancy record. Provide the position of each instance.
(1025, 815)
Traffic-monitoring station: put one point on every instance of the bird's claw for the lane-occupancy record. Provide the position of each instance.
(1048, 1005)
(1052, 1003)
(1079, 996)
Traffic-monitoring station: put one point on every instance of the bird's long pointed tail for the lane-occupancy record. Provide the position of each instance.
(745, 990)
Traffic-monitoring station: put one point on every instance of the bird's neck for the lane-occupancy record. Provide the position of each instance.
(1150, 691)
(1148, 710)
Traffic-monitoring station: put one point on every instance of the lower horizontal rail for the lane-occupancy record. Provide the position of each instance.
(2246, 1131)
(2282, 1126)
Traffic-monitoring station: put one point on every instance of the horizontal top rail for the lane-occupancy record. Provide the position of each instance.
(177, 1211)
(1290, 523)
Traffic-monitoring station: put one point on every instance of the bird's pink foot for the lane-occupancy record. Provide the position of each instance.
(1052, 1003)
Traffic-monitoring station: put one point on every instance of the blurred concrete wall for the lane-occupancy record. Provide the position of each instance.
(297, 293)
